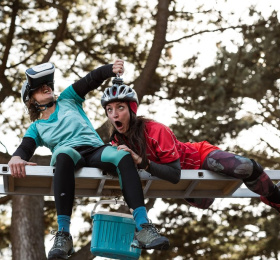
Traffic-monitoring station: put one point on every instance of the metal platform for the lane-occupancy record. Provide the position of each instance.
(91, 182)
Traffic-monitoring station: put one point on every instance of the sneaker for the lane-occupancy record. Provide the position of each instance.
(62, 247)
(271, 204)
(149, 238)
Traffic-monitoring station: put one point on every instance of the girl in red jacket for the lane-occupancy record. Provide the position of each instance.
(155, 148)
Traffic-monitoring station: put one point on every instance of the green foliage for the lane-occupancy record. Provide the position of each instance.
(210, 101)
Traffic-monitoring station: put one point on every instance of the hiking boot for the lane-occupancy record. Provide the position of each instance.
(62, 247)
(271, 204)
(149, 238)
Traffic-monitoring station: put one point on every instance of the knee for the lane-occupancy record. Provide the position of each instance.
(70, 152)
(257, 170)
(63, 156)
(244, 168)
(114, 156)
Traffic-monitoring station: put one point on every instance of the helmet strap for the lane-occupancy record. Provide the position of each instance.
(42, 108)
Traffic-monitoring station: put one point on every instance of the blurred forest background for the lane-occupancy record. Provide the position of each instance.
(209, 69)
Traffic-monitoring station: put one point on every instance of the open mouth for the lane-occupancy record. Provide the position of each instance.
(118, 123)
(45, 90)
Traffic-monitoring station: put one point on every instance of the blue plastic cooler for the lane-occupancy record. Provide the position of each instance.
(112, 234)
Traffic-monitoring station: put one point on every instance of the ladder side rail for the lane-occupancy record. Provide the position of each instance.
(194, 176)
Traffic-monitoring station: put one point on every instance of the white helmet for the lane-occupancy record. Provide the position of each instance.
(118, 92)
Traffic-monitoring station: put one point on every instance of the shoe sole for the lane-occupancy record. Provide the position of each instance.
(59, 257)
(162, 246)
(158, 244)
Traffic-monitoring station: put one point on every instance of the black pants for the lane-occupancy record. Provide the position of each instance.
(106, 158)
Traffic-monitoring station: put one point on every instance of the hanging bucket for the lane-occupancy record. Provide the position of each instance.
(112, 234)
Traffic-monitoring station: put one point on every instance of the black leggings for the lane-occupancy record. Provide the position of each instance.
(106, 158)
(238, 167)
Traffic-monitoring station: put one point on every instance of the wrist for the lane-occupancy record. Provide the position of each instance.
(139, 160)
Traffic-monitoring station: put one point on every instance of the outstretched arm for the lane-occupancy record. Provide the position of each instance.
(96, 77)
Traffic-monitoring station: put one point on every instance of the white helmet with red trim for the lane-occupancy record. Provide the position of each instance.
(118, 92)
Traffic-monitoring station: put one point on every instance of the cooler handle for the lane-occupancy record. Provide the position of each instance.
(121, 202)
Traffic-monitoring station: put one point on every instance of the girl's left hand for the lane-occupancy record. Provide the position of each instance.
(136, 158)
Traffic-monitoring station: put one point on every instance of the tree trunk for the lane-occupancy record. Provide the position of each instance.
(27, 229)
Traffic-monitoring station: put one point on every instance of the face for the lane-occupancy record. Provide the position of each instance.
(43, 95)
(119, 116)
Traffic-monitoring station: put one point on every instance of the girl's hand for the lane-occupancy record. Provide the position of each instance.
(118, 67)
(17, 166)
(136, 158)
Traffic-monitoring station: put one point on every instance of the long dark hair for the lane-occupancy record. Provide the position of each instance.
(33, 112)
(134, 137)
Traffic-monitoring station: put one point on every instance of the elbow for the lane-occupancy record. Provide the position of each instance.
(177, 177)
(175, 181)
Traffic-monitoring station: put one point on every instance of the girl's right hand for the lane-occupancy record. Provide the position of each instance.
(118, 67)
(17, 166)
(136, 158)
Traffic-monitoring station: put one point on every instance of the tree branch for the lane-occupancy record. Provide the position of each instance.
(144, 80)
(10, 37)
(61, 30)
(3, 79)
(216, 30)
